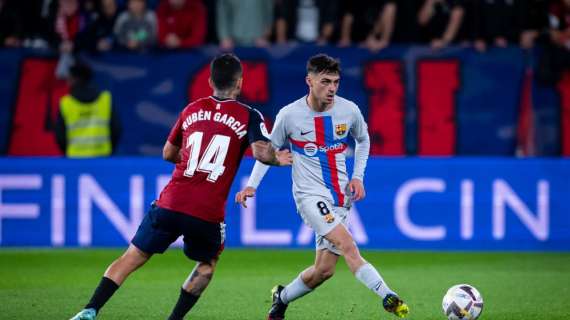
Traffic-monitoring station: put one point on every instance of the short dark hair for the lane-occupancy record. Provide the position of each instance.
(81, 72)
(323, 63)
(225, 70)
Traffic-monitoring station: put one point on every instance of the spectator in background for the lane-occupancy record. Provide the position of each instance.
(370, 24)
(181, 23)
(150, 4)
(10, 26)
(406, 29)
(99, 36)
(383, 29)
(306, 20)
(33, 16)
(87, 125)
(244, 22)
(66, 25)
(211, 23)
(559, 14)
(555, 57)
(66, 22)
(497, 23)
(440, 21)
(534, 21)
(88, 11)
(135, 28)
(285, 14)
(328, 20)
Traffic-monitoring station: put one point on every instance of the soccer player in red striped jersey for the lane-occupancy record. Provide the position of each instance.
(206, 144)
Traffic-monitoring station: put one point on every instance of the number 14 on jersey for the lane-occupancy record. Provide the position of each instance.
(212, 160)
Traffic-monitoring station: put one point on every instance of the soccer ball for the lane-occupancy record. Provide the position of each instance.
(462, 301)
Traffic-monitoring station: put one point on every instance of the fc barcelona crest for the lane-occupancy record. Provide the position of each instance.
(340, 129)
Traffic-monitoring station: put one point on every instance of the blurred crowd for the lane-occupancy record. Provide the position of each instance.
(101, 25)
(70, 26)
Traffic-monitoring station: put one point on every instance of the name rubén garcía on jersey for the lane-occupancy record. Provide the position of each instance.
(221, 117)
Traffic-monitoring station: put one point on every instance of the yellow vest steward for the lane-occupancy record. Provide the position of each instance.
(87, 126)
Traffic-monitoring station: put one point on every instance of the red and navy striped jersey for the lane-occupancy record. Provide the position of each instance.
(213, 135)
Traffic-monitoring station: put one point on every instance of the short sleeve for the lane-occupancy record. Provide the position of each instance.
(256, 131)
(279, 133)
(175, 136)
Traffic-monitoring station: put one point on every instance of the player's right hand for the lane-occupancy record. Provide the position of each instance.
(284, 157)
(242, 196)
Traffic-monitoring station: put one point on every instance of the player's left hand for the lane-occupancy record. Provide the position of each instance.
(242, 196)
(356, 187)
(284, 157)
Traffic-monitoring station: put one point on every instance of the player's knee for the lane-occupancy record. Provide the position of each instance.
(325, 273)
(205, 278)
(348, 248)
(135, 257)
(352, 255)
(208, 267)
(207, 271)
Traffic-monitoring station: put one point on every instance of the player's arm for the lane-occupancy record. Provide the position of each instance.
(260, 169)
(257, 174)
(264, 152)
(171, 153)
(171, 149)
(263, 145)
(359, 131)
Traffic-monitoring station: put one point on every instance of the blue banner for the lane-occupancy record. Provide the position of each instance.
(9, 70)
(435, 204)
(149, 91)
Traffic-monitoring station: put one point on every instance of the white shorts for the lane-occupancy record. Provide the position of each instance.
(319, 214)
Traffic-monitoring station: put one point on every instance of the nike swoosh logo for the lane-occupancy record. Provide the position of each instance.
(304, 133)
(377, 287)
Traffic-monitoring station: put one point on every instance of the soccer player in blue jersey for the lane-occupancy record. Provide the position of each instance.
(316, 127)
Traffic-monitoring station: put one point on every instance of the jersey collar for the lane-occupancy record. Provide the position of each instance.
(221, 99)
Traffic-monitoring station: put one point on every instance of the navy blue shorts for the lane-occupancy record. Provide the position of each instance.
(203, 240)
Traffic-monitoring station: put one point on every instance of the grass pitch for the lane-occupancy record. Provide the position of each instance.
(55, 284)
